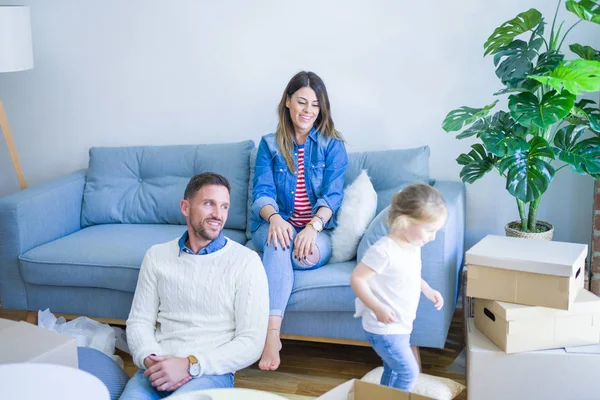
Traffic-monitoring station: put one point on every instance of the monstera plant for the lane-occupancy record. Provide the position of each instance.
(549, 125)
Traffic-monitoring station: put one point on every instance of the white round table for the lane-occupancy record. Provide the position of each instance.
(228, 394)
(29, 381)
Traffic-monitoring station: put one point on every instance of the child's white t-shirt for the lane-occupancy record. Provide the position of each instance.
(396, 283)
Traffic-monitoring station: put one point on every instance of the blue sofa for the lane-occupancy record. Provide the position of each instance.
(75, 244)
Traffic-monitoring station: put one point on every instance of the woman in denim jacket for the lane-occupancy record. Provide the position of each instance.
(298, 188)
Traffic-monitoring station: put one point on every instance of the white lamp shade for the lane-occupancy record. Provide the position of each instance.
(16, 53)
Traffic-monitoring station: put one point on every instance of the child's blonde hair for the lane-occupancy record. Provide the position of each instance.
(417, 202)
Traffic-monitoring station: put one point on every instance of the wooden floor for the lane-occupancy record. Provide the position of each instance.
(311, 369)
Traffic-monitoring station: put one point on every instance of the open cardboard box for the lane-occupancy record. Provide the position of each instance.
(359, 390)
(526, 271)
(515, 328)
(24, 342)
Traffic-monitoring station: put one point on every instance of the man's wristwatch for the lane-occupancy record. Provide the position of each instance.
(194, 368)
(317, 225)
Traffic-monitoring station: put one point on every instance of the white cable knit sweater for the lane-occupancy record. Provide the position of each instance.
(212, 306)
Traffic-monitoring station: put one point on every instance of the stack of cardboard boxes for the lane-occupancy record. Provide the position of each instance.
(529, 296)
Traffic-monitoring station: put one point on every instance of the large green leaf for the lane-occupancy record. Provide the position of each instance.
(583, 156)
(463, 116)
(503, 121)
(588, 10)
(567, 137)
(511, 90)
(547, 62)
(506, 32)
(594, 119)
(588, 153)
(576, 76)
(526, 85)
(500, 121)
(585, 52)
(476, 129)
(502, 143)
(528, 174)
(477, 163)
(586, 112)
(527, 110)
(518, 60)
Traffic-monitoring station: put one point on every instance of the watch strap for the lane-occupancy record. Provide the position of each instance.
(192, 359)
(193, 367)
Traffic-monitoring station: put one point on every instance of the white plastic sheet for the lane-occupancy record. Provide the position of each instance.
(86, 331)
(121, 343)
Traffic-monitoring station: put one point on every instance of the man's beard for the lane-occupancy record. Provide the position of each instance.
(201, 233)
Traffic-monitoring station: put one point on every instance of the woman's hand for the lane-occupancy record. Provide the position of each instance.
(280, 232)
(304, 243)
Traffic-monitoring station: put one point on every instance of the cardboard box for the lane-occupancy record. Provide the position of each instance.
(546, 374)
(359, 390)
(515, 328)
(526, 271)
(24, 342)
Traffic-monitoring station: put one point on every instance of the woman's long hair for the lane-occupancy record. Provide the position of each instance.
(285, 126)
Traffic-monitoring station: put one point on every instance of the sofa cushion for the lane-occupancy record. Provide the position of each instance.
(103, 256)
(143, 185)
(323, 289)
(356, 213)
(377, 229)
(389, 170)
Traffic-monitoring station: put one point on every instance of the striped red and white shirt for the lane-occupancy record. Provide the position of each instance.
(302, 207)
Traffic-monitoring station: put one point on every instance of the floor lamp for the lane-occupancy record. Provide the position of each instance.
(16, 54)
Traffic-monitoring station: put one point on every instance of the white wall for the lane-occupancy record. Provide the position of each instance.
(115, 72)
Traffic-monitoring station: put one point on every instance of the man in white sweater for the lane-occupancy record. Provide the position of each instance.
(201, 306)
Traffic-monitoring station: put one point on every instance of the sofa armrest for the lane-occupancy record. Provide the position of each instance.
(31, 218)
(442, 262)
(454, 241)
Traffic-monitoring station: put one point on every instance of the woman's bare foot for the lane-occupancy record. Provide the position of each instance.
(270, 357)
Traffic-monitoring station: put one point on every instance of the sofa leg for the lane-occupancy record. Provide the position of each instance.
(32, 317)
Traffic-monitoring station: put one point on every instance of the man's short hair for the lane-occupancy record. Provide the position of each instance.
(205, 178)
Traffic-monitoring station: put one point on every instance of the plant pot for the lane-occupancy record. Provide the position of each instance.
(512, 230)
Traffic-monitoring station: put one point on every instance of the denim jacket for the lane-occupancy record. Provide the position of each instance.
(325, 163)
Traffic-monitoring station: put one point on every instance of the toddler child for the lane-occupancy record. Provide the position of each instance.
(388, 281)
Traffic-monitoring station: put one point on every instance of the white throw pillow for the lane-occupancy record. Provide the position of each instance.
(431, 386)
(356, 213)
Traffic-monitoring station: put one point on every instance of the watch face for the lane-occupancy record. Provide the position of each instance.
(195, 369)
(318, 225)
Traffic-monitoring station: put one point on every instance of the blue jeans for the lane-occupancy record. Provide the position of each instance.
(140, 388)
(280, 265)
(400, 367)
